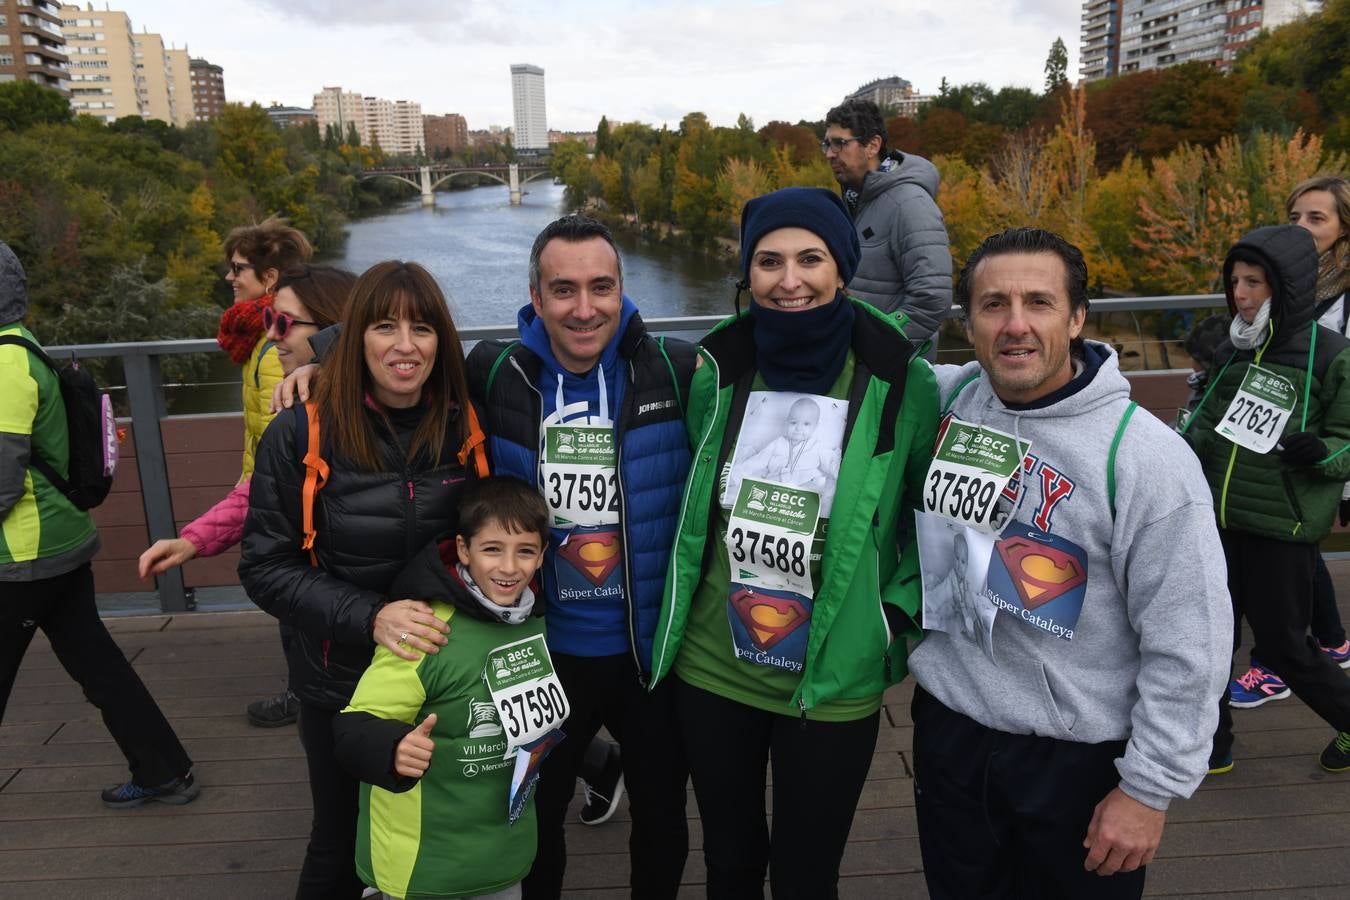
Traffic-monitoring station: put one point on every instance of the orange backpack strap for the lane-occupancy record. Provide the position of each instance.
(474, 445)
(316, 476)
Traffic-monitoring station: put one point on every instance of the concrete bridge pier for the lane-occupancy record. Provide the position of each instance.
(429, 198)
(515, 184)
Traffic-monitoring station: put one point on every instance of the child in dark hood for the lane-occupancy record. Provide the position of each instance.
(1272, 431)
(425, 736)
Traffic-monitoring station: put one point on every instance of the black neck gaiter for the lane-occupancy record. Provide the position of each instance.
(802, 351)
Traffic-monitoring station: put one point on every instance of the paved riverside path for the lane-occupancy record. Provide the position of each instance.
(1276, 827)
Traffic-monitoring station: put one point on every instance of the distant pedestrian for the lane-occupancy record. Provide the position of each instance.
(256, 257)
(906, 265)
(46, 579)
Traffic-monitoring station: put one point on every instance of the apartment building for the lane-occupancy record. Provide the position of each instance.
(152, 77)
(103, 74)
(1099, 40)
(527, 103)
(893, 93)
(290, 116)
(116, 71)
(208, 89)
(1122, 36)
(32, 46)
(340, 109)
(394, 125)
(448, 133)
(178, 65)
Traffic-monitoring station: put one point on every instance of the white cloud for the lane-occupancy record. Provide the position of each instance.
(650, 60)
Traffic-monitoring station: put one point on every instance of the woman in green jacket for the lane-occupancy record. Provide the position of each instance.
(1273, 436)
(789, 596)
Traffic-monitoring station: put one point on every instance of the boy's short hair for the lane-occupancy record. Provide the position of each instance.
(507, 501)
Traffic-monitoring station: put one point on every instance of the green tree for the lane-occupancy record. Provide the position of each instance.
(24, 104)
(1056, 67)
(602, 137)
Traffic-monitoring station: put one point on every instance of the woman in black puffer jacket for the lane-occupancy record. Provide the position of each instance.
(392, 427)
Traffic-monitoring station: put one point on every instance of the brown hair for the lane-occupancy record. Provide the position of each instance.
(392, 290)
(270, 244)
(1336, 186)
(509, 502)
(322, 289)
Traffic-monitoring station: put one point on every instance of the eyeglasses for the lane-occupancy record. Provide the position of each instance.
(239, 268)
(282, 321)
(837, 144)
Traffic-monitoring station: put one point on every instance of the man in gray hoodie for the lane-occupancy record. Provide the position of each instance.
(906, 263)
(1053, 763)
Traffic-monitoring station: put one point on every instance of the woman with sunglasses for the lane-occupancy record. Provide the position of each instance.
(306, 299)
(392, 398)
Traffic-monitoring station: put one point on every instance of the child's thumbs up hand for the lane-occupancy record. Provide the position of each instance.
(413, 755)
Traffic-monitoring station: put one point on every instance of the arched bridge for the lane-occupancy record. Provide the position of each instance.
(428, 178)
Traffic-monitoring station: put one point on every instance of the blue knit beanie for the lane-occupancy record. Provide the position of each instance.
(819, 211)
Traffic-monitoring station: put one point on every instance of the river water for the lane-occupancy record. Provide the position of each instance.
(477, 245)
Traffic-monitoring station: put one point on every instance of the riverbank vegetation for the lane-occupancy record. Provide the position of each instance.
(119, 226)
(1153, 174)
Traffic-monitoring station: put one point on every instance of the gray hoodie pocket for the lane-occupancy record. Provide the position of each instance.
(1056, 717)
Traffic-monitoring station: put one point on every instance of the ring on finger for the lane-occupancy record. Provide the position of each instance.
(403, 638)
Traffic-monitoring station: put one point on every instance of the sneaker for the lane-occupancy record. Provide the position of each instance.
(1339, 655)
(1259, 685)
(602, 799)
(273, 712)
(1336, 758)
(175, 793)
(1222, 766)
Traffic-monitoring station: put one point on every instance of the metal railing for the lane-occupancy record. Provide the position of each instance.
(146, 399)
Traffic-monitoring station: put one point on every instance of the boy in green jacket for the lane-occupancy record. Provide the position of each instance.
(436, 740)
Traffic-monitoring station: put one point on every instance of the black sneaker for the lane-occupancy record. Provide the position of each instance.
(130, 795)
(273, 712)
(1336, 758)
(602, 798)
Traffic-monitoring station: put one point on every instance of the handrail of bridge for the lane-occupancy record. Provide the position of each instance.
(145, 395)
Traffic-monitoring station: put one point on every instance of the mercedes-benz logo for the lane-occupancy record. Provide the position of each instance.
(470, 770)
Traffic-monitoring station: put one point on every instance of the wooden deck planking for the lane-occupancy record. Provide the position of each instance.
(1274, 828)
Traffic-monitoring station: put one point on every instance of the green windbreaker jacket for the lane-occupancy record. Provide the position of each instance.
(893, 416)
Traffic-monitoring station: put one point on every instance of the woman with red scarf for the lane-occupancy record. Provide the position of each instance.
(256, 256)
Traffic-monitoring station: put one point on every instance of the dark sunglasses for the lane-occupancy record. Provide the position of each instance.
(282, 321)
(238, 268)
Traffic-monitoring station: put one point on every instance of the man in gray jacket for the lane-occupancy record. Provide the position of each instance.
(906, 263)
(1052, 764)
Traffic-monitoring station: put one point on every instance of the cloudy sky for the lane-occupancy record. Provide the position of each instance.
(647, 60)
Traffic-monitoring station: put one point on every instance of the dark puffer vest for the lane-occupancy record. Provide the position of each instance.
(653, 453)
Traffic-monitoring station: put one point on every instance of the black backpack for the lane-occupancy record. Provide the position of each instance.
(92, 429)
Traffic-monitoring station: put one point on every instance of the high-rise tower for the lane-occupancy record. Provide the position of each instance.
(527, 101)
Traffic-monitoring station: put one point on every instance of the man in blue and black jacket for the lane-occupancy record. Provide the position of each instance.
(588, 406)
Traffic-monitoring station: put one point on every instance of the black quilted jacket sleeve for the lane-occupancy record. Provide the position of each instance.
(273, 568)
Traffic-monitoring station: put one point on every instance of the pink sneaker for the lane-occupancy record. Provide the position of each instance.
(1259, 685)
(1339, 655)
